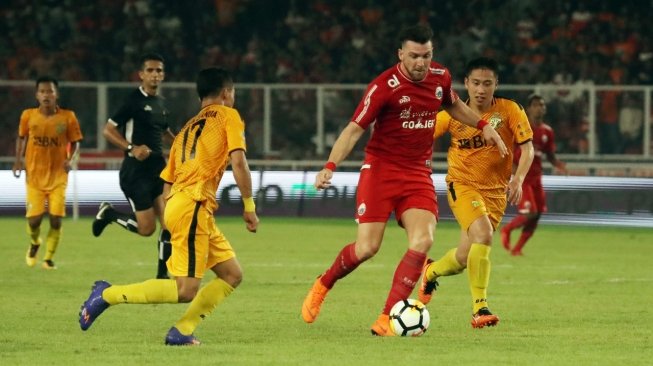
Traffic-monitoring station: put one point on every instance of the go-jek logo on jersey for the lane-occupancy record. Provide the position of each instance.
(419, 124)
(404, 99)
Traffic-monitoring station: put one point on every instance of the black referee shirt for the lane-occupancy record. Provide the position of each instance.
(142, 119)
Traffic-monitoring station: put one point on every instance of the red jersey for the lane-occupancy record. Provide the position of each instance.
(403, 112)
(543, 144)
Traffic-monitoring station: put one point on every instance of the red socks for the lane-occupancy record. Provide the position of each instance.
(344, 264)
(517, 222)
(406, 277)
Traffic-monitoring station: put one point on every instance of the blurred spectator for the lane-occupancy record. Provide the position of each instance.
(631, 120)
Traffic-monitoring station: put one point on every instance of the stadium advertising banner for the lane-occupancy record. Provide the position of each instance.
(572, 200)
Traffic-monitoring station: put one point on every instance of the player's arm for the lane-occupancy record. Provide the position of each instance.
(525, 159)
(74, 155)
(341, 148)
(461, 112)
(558, 164)
(243, 179)
(168, 137)
(20, 152)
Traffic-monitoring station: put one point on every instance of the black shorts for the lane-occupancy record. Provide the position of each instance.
(140, 181)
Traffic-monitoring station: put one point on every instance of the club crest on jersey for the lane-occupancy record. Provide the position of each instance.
(404, 99)
(61, 128)
(438, 93)
(545, 139)
(361, 209)
(495, 121)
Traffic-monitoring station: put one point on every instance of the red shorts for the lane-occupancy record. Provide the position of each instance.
(385, 187)
(533, 199)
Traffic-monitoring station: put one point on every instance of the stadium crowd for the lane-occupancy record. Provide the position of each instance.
(555, 42)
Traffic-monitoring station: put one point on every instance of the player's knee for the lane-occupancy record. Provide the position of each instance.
(366, 251)
(233, 278)
(422, 245)
(146, 229)
(187, 294)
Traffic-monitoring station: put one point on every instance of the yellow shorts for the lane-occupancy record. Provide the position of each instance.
(36, 201)
(468, 204)
(197, 243)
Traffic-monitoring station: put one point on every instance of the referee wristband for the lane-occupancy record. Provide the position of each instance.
(250, 206)
(481, 123)
(331, 166)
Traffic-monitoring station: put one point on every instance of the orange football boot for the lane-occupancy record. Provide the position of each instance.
(426, 288)
(313, 301)
(381, 327)
(484, 317)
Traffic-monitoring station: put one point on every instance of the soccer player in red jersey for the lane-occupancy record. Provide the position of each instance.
(402, 103)
(533, 202)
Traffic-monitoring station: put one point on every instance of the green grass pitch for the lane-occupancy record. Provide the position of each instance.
(579, 296)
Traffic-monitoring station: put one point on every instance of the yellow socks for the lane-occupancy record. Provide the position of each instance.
(34, 235)
(445, 266)
(52, 242)
(478, 271)
(148, 292)
(207, 298)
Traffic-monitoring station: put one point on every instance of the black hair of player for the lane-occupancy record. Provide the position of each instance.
(211, 81)
(482, 63)
(151, 57)
(534, 97)
(47, 79)
(417, 33)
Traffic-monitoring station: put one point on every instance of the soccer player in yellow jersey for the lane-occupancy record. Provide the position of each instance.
(478, 180)
(48, 138)
(199, 156)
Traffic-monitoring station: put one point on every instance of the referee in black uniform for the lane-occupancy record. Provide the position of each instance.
(138, 128)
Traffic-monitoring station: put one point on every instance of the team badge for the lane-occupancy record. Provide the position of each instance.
(476, 204)
(438, 93)
(495, 121)
(61, 128)
(361, 209)
(404, 99)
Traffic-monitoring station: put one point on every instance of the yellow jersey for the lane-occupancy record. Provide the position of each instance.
(200, 153)
(46, 149)
(471, 161)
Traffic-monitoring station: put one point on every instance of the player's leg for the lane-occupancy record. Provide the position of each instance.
(526, 207)
(467, 205)
(35, 203)
(368, 241)
(164, 247)
(57, 210)
(533, 217)
(221, 260)
(478, 271)
(420, 228)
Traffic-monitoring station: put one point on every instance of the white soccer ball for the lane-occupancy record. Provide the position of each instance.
(409, 318)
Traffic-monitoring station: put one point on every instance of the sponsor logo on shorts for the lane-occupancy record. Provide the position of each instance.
(476, 204)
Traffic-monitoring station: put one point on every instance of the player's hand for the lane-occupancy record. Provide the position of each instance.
(251, 221)
(492, 138)
(561, 167)
(323, 178)
(514, 191)
(67, 166)
(17, 168)
(141, 152)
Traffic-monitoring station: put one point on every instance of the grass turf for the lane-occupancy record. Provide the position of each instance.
(579, 296)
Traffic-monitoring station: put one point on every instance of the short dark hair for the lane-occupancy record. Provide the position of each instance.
(533, 97)
(482, 63)
(211, 81)
(47, 79)
(151, 57)
(418, 33)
